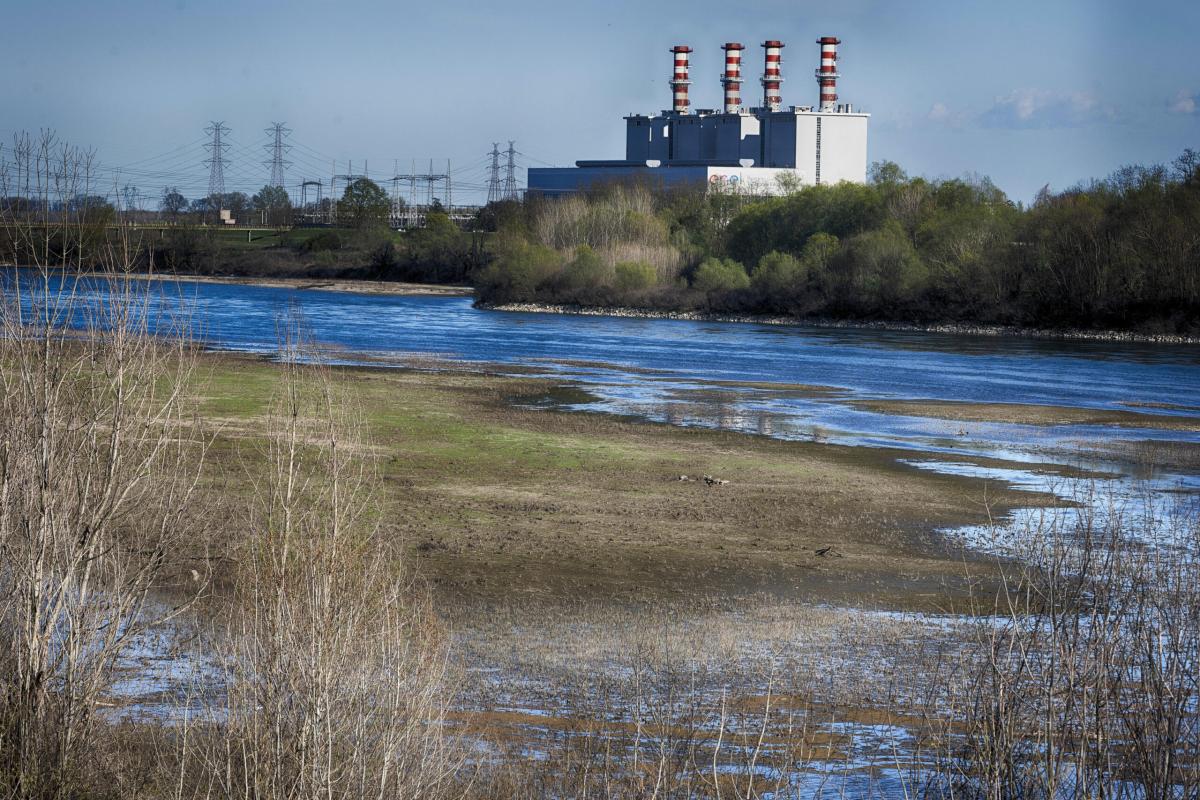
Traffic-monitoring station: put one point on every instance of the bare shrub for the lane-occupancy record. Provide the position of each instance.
(666, 260)
(99, 457)
(1083, 678)
(330, 668)
(618, 215)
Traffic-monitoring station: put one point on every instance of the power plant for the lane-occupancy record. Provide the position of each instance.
(760, 149)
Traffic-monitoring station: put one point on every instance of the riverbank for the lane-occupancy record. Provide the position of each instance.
(323, 285)
(500, 500)
(954, 328)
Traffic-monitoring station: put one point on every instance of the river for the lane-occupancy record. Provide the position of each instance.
(833, 385)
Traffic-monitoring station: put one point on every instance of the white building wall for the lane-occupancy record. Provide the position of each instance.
(791, 141)
(843, 148)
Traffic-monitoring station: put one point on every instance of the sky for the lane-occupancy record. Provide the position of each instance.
(1027, 92)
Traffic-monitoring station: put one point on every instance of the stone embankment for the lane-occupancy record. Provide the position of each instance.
(956, 328)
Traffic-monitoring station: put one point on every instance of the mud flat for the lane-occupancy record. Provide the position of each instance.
(1029, 414)
(498, 499)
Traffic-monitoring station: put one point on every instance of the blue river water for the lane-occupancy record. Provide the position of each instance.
(788, 382)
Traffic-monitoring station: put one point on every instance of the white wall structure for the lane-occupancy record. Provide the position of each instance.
(829, 147)
(746, 149)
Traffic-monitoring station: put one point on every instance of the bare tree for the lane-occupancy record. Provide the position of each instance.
(332, 669)
(99, 457)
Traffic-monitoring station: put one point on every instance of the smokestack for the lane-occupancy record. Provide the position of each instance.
(732, 80)
(827, 75)
(772, 75)
(680, 80)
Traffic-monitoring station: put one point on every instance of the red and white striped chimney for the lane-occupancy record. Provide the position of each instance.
(827, 75)
(772, 75)
(732, 80)
(680, 80)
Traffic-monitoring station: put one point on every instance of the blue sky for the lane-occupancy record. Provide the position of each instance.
(1029, 93)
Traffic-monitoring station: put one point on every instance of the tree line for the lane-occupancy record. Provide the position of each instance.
(1121, 253)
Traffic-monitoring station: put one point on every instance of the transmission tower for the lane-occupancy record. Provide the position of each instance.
(494, 180)
(278, 149)
(510, 173)
(216, 161)
(129, 194)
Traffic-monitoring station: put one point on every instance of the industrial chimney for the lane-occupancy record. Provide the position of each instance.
(680, 80)
(827, 74)
(772, 76)
(732, 81)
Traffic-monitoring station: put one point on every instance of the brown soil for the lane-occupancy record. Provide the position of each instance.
(558, 505)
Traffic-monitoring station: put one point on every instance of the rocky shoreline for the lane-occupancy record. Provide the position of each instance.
(961, 329)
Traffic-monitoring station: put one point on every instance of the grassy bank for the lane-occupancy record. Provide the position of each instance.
(495, 500)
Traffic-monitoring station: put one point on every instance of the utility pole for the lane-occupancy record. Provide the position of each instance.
(278, 149)
(510, 173)
(494, 180)
(216, 161)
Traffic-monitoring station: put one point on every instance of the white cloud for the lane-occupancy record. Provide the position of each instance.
(942, 114)
(1184, 102)
(1042, 108)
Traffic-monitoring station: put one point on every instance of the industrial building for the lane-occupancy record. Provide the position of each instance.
(760, 149)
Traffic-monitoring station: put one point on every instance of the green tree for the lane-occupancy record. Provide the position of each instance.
(880, 273)
(886, 173)
(720, 275)
(273, 201)
(786, 223)
(364, 205)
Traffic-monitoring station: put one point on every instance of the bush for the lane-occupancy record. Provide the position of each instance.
(720, 275)
(587, 271)
(635, 276)
(519, 270)
(779, 274)
(323, 241)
